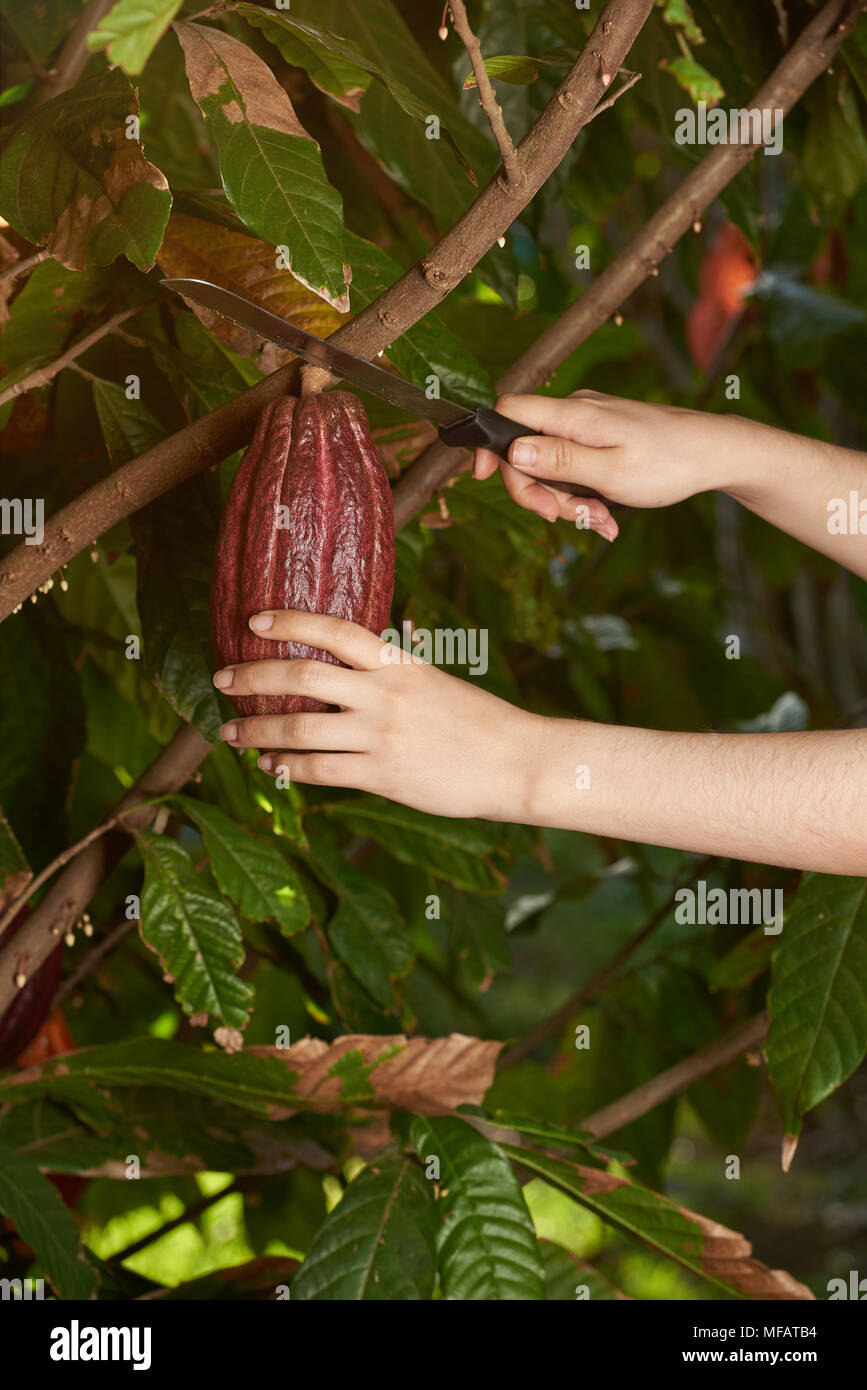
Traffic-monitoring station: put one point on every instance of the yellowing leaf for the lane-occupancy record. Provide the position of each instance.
(207, 251)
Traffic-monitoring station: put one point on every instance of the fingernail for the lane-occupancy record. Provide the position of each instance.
(265, 762)
(523, 454)
(608, 530)
(262, 621)
(229, 733)
(223, 679)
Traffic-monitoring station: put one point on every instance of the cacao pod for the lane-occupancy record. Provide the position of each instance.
(308, 524)
(20, 1023)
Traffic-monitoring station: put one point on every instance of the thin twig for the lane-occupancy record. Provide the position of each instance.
(20, 266)
(192, 1213)
(549, 1026)
(91, 961)
(63, 858)
(487, 95)
(43, 375)
(75, 54)
(677, 1078)
(631, 79)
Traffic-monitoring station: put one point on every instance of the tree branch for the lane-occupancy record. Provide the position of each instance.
(805, 61)
(20, 266)
(677, 1078)
(549, 1026)
(413, 295)
(487, 96)
(631, 79)
(69, 895)
(43, 375)
(74, 55)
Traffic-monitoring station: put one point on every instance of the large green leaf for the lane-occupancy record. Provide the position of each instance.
(818, 995)
(271, 169)
(131, 31)
(194, 932)
(251, 871)
(378, 1243)
(71, 177)
(646, 1216)
(458, 850)
(367, 931)
(128, 427)
(487, 1246)
(34, 1205)
(175, 538)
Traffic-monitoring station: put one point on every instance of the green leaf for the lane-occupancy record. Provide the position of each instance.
(194, 932)
(427, 349)
(835, 148)
(486, 1242)
(639, 1212)
(71, 178)
(333, 65)
(249, 870)
(258, 1084)
(818, 995)
(128, 427)
(458, 850)
(744, 963)
(131, 31)
(695, 80)
(271, 168)
(35, 1207)
(515, 68)
(367, 931)
(407, 83)
(174, 545)
(379, 1241)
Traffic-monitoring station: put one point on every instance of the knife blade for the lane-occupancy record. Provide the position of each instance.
(457, 426)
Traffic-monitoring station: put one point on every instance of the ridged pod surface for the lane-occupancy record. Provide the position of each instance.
(308, 524)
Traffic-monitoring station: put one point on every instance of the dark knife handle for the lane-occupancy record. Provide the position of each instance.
(488, 429)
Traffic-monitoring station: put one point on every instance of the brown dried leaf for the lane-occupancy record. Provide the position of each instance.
(193, 248)
(431, 1076)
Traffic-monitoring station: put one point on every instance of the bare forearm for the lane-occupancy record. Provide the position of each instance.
(807, 488)
(797, 800)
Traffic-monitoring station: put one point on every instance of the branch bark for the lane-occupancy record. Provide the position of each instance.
(69, 895)
(419, 290)
(803, 63)
(677, 1078)
(487, 96)
(43, 375)
(75, 53)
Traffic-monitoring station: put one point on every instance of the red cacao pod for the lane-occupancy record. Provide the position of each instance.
(309, 525)
(20, 1023)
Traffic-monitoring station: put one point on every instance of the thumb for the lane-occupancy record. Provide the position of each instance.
(551, 458)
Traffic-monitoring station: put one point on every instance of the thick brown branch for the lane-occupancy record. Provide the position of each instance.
(805, 61)
(487, 95)
(69, 895)
(677, 1078)
(43, 375)
(419, 290)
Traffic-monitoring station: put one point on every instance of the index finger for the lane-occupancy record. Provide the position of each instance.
(349, 642)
